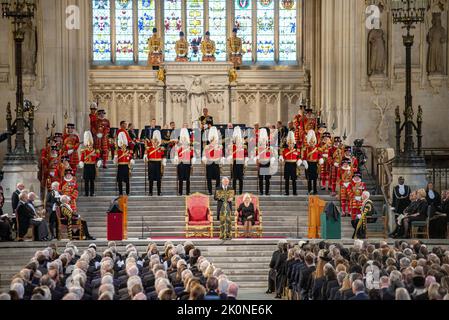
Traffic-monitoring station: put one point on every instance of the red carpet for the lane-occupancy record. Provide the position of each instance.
(214, 238)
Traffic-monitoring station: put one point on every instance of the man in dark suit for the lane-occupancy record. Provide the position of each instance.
(306, 279)
(24, 215)
(272, 272)
(15, 196)
(358, 289)
(433, 198)
(401, 196)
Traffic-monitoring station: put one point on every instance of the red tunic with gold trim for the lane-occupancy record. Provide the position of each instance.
(353, 161)
(325, 167)
(355, 190)
(70, 188)
(298, 122)
(334, 160)
(155, 156)
(43, 174)
(344, 179)
(102, 128)
(239, 153)
(291, 157)
(53, 172)
(71, 143)
(93, 123)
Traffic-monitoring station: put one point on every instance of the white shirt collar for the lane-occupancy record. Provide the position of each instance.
(431, 194)
(401, 189)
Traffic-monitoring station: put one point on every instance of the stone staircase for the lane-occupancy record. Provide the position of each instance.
(161, 218)
(149, 217)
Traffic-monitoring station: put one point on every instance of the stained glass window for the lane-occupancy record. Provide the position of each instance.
(101, 35)
(195, 26)
(217, 26)
(116, 40)
(124, 30)
(287, 30)
(146, 22)
(243, 22)
(265, 30)
(172, 26)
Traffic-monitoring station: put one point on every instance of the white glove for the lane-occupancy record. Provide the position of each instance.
(229, 159)
(115, 159)
(305, 164)
(321, 161)
(99, 163)
(52, 174)
(222, 161)
(132, 162)
(164, 162)
(272, 161)
(204, 159)
(70, 151)
(176, 160)
(193, 160)
(281, 159)
(299, 163)
(81, 165)
(336, 164)
(99, 135)
(256, 158)
(145, 158)
(246, 161)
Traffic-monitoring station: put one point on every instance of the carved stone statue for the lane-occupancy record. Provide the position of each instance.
(29, 49)
(436, 39)
(376, 52)
(197, 93)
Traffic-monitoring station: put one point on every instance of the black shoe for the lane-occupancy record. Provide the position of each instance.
(86, 195)
(150, 194)
(286, 194)
(267, 194)
(295, 194)
(323, 188)
(278, 297)
(90, 238)
(268, 291)
(92, 195)
(261, 193)
(210, 193)
(159, 194)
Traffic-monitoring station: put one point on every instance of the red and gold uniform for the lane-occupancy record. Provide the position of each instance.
(89, 158)
(334, 160)
(185, 154)
(124, 157)
(291, 156)
(43, 162)
(101, 136)
(155, 155)
(325, 165)
(264, 155)
(345, 174)
(298, 122)
(71, 144)
(69, 188)
(311, 156)
(239, 156)
(355, 191)
(213, 154)
(53, 171)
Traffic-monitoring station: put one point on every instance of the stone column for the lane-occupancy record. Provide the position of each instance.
(160, 105)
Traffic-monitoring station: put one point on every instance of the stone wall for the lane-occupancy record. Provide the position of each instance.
(334, 56)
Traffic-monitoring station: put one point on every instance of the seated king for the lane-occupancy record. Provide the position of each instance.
(155, 50)
(208, 48)
(182, 48)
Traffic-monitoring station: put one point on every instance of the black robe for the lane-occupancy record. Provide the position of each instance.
(400, 202)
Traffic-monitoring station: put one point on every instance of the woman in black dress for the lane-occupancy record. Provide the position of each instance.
(247, 214)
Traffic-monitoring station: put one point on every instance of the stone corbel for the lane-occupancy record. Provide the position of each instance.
(436, 82)
(379, 83)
